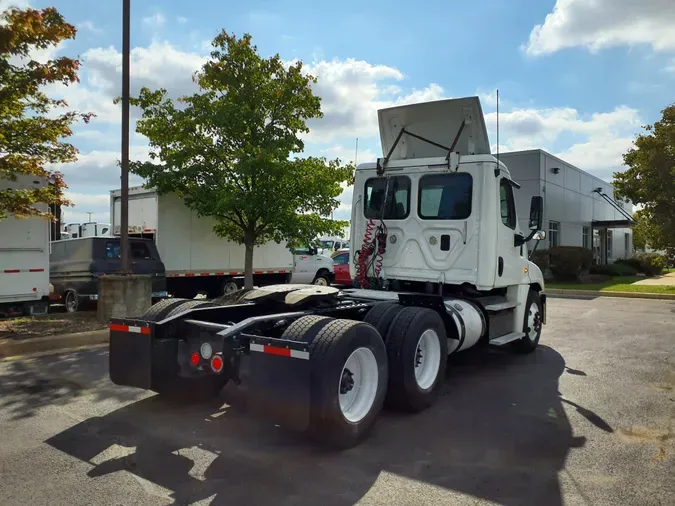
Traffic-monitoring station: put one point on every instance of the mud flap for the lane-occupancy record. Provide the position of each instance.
(130, 357)
(279, 381)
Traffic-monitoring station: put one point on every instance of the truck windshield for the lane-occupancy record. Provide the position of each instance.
(398, 198)
(445, 196)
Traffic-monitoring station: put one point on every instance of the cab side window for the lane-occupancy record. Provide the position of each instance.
(507, 204)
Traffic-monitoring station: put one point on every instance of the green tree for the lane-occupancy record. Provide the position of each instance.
(645, 233)
(650, 181)
(30, 129)
(230, 150)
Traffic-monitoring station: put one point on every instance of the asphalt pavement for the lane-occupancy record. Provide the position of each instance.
(589, 418)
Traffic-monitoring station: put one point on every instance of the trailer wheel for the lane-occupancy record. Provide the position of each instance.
(229, 286)
(158, 312)
(381, 316)
(531, 325)
(187, 305)
(71, 301)
(417, 348)
(348, 382)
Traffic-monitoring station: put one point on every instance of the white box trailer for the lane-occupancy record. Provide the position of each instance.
(198, 261)
(24, 258)
(142, 212)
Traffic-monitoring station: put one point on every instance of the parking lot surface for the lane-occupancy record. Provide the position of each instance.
(589, 418)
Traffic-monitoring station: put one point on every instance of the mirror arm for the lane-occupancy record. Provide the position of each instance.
(529, 257)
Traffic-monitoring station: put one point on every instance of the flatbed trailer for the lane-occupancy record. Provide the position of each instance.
(442, 267)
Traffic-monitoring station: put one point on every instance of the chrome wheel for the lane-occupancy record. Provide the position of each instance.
(533, 322)
(321, 281)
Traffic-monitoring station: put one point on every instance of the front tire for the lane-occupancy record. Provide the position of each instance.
(321, 279)
(348, 379)
(417, 348)
(532, 325)
(72, 301)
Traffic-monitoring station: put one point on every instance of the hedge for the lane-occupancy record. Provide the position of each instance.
(567, 263)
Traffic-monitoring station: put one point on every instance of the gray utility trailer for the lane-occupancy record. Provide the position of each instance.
(441, 265)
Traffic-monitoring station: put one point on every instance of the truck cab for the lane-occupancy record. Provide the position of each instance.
(449, 217)
(312, 266)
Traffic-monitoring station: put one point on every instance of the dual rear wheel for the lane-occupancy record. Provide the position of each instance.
(355, 372)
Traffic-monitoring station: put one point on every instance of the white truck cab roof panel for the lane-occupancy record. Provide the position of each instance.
(439, 121)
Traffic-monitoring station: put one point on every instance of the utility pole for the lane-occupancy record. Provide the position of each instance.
(124, 211)
(89, 215)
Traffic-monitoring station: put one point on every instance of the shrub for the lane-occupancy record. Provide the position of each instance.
(569, 262)
(652, 264)
(615, 269)
(540, 259)
(633, 263)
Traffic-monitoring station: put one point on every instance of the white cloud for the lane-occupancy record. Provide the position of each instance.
(83, 204)
(89, 25)
(154, 21)
(98, 171)
(181, 20)
(600, 24)
(352, 91)
(347, 154)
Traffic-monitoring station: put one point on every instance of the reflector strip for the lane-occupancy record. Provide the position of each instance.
(220, 273)
(129, 328)
(282, 352)
(17, 271)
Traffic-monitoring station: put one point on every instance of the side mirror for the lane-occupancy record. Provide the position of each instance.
(540, 235)
(536, 213)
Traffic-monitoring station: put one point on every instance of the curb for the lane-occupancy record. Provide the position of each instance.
(590, 293)
(93, 337)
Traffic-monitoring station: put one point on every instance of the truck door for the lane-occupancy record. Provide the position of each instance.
(510, 262)
(304, 266)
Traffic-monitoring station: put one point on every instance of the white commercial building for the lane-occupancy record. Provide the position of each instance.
(579, 208)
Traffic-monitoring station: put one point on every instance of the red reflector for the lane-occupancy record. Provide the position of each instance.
(194, 359)
(217, 363)
(273, 350)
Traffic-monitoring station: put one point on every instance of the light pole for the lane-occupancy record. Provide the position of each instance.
(124, 211)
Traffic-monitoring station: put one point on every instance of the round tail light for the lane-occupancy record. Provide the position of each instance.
(217, 363)
(194, 359)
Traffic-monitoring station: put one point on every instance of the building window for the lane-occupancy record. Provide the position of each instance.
(553, 234)
(507, 204)
(445, 196)
(586, 237)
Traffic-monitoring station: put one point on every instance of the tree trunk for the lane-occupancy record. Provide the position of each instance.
(248, 265)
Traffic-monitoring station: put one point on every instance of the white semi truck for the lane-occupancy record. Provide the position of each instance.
(24, 258)
(197, 261)
(442, 266)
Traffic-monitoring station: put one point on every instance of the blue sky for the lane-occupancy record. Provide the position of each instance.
(576, 78)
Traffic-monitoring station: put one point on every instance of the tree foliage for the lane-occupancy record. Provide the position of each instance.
(230, 150)
(30, 128)
(650, 181)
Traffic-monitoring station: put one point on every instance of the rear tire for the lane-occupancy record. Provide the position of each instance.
(531, 325)
(72, 301)
(158, 312)
(417, 348)
(348, 362)
(381, 316)
(187, 306)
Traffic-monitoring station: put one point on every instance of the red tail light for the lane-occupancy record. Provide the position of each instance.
(217, 363)
(194, 359)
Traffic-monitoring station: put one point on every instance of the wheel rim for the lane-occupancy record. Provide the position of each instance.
(230, 287)
(358, 385)
(321, 281)
(71, 302)
(427, 360)
(533, 322)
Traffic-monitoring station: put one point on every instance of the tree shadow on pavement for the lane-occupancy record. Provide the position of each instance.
(498, 432)
(30, 383)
